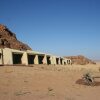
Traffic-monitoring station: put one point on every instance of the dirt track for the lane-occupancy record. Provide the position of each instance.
(47, 83)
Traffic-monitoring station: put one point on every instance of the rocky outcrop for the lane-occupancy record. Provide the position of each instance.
(81, 60)
(8, 40)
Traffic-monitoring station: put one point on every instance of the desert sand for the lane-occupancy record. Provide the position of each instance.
(48, 82)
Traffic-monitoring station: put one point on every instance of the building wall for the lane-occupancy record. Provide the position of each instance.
(8, 57)
(24, 59)
(36, 59)
(45, 59)
(53, 60)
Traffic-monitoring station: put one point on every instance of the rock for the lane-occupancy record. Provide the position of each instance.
(81, 60)
(8, 39)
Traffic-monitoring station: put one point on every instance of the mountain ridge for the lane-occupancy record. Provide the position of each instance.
(8, 39)
(80, 59)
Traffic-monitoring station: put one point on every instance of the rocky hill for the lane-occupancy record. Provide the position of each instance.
(81, 60)
(8, 40)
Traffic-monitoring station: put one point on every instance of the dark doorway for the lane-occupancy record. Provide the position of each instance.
(64, 63)
(61, 61)
(68, 61)
(1, 62)
(48, 60)
(57, 61)
(17, 58)
(0, 55)
(40, 59)
(31, 59)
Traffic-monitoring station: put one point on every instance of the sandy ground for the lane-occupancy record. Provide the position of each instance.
(42, 82)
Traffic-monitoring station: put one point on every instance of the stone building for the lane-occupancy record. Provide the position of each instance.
(29, 57)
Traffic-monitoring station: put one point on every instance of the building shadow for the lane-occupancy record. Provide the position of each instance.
(81, 82)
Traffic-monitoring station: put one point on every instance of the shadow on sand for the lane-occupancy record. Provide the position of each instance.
(81, 82)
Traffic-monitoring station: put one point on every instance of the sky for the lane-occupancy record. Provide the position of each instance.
(59, 27)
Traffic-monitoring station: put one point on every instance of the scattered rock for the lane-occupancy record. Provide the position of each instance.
(21, 93)
(51, 91)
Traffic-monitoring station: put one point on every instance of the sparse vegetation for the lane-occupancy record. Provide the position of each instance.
(47, 84)
(88, 79)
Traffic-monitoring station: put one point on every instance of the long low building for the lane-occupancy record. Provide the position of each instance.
(17, 57)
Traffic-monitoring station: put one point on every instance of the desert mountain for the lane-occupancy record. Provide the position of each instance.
(8, 39)
(81, 60)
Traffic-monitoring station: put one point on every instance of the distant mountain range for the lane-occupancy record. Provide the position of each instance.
(97, 61)
(80, 59)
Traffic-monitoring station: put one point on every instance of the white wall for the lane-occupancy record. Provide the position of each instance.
(7, 56)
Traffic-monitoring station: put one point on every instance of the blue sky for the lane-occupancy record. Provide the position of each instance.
(60, 27)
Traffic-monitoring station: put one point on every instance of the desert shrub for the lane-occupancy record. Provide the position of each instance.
(88, 79)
